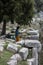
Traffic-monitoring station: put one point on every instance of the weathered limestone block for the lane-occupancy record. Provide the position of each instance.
(24, 53)
(16, 57)
(1, 48)
(12, 62)
(34, 37)
(22, 31)
(2, 42)
(33, 43)
(21, 42)
(30, 61)
(13, 47)
(32, 32)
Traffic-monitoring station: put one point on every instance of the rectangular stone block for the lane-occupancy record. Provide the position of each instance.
(12, 62)
(32, 32)
(30, 61)
(33, 37)
(13, 47)
(21, 42)
(24, 53)
(16, 57)
(1, 48)
(33, 43)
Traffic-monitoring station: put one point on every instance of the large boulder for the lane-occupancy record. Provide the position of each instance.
(13, 47)
(16, 57)
(33, 43)
(24, 53)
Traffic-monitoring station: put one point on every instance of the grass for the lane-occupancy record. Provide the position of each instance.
(5, 57)
(22, 63)
(7, 54)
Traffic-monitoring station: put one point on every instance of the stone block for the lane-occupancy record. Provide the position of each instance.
(1, 48)
(33, 43)
(24, 53)
(30, 61)
(32, 32)
(34, 37)
(13, 47)
(35, 55)
(16, 57)
(21, 42)
(12, 62)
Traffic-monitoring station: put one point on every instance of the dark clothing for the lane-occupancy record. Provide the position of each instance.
(17, 37)
(16, 33)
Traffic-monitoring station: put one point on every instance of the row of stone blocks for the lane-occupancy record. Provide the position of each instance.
(23, 52)
(23, 55)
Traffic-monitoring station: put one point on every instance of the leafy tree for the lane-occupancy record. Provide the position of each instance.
(24, 11)
(19, 10)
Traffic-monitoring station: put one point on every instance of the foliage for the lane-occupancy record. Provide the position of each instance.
(6, 9)
(19, 10)
(24, 11)
(5, 57)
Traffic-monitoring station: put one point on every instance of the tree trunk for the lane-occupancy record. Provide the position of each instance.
(30, 24)
(12, 21)
(4, 28)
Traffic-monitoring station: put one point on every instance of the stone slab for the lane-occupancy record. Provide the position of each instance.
(13, 47)
(33, 43)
